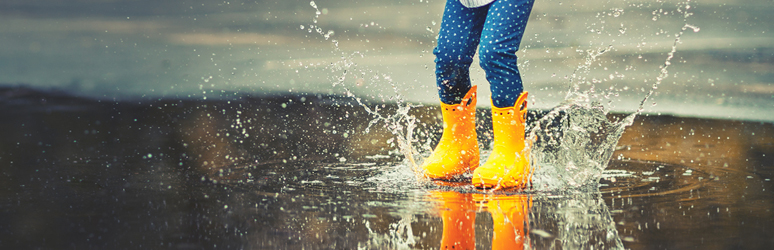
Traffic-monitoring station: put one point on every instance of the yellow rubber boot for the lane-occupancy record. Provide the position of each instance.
(508, 165)
(457, 151)
(458, 213)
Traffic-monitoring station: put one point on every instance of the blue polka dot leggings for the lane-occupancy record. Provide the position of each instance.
(496, 29)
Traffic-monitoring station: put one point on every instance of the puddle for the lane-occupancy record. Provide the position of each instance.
(296, 171)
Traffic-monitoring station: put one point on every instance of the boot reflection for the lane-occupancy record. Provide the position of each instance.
(458, 212)
(510, 216)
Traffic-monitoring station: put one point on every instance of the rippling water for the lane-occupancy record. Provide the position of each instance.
(297, 171)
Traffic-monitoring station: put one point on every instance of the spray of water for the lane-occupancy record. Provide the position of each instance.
(571, 146)
(399, 123)
(580, 221)
(399, 236)
(664, 73)
(573, 142)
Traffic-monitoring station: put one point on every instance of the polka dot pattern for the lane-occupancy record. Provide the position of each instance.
(496, 30)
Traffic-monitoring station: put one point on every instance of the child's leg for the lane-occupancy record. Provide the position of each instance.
(508, 164)
(500, 39)
(457, 151)
(457, 41)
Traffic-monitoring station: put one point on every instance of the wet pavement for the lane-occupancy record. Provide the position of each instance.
(298, 171)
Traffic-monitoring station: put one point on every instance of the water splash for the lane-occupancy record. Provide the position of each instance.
(317, 29)
(399, 123)
(664, 73)
(573, 142)
(580, 221)
(400, 235)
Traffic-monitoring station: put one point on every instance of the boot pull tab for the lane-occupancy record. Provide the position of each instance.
(470, 97)
(521, 103)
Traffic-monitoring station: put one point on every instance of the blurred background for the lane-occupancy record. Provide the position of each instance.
(382, 51)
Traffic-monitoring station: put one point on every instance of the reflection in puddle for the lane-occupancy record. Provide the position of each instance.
(458, 212)
(295, 172)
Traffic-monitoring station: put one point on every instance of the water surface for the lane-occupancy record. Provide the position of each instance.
(298, 171)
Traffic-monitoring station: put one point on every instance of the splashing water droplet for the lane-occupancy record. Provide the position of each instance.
(574, 143)
(692, 27)
(617, 12)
